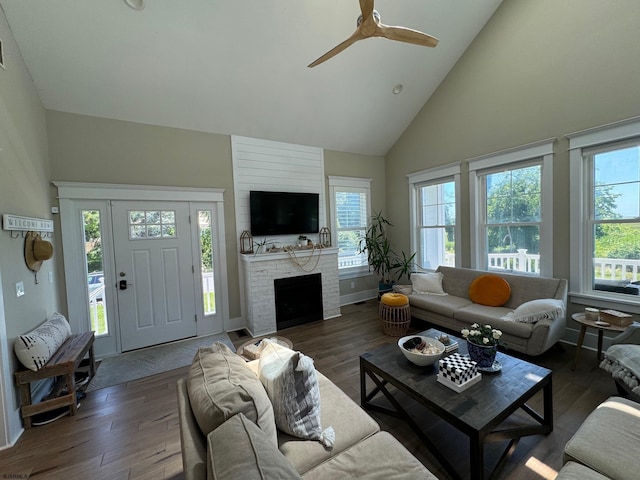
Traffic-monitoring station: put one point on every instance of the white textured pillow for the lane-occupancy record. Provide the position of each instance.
(534, 310)
(291, 383)
(428, 283)
(34, 349)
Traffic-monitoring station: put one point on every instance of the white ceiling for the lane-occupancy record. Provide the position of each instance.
(240, 67)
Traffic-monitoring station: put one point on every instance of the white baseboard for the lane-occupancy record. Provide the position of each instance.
(358, 297)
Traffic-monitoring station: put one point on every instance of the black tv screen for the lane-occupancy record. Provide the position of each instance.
(283, 213)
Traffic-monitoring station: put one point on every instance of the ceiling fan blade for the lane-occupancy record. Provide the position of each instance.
(407, 35)
(366, 7)
(357, 35)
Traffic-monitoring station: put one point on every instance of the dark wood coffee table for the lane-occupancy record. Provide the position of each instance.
(476, 412)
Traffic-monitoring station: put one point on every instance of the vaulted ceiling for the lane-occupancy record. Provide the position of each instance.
(240, 67)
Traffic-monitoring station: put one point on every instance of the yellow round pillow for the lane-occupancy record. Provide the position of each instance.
(490, 290)
(394, 299)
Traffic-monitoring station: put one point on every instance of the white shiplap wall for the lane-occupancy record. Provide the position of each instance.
(276, 167)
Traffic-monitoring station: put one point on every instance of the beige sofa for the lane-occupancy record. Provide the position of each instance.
(360, 451)
(606, 445)
(456, 311)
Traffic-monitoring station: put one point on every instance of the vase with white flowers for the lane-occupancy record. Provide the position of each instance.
(482, 343)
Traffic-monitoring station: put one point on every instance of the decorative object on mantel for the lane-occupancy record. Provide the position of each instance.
(246, 242)
(36, 251)
(27, 224)
(302, 240)
(325, 237)
(294, 259)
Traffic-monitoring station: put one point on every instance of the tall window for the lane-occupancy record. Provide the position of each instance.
(512, 218)
(94, 269)
(511, 210)
(350, 211)
(607, 212)
(434, 228)
(206, 261)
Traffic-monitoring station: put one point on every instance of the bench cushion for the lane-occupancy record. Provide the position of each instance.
(608, 441)
(34, 349)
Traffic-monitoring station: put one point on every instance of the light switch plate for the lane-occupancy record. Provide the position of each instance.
(50, 277)
(19, 289)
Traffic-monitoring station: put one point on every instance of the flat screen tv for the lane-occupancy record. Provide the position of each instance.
(283, 213)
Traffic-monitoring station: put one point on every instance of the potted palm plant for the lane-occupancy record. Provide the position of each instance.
(381, 258)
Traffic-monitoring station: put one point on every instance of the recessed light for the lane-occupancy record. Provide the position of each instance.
(135, 4)
(397, 89)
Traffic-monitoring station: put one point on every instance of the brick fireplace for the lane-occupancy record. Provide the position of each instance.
(260, 272)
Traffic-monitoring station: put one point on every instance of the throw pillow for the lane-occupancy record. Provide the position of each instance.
(292, 385)
(239, 449)
(220, 385)
(427, 283)
(534, 310)
(489, 290)
(34, 349)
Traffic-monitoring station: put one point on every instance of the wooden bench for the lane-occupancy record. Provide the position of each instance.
(62, 364)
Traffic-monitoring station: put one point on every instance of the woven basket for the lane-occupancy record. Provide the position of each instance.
(395, 320)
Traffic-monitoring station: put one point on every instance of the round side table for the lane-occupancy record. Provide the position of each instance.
(584, 324)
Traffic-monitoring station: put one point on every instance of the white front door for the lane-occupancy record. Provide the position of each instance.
(154, 272)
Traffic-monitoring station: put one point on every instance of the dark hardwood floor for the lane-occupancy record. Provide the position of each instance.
(131, 431)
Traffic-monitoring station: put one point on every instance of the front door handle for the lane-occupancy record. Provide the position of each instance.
(122, 284)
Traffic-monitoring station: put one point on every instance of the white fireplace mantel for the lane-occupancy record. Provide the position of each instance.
(260, 271)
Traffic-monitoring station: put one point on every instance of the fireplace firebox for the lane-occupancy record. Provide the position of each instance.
(298, 300)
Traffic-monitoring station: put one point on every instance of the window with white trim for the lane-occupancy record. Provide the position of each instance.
(605, 215)
(511, 210)
(434, 213)
(350, 200)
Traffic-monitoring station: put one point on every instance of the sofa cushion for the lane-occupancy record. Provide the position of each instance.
(352, 424)
(427, 283)
(379, 456)
(575, 471)
(239, 449)
(220, 386)
(608, 441)
(291, 383)
(444, 305)
(535, 310)
(475, 313)
(34, 349)
(490, 290)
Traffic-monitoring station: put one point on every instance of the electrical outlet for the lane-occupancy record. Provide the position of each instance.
(19, 289)
(353, 284)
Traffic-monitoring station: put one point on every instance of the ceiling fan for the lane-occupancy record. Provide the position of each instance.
(369, 26)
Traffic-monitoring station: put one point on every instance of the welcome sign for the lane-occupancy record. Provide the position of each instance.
(15, 222)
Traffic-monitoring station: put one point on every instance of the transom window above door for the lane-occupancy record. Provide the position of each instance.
(152, 224)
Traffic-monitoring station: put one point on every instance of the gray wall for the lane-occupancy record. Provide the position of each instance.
(25, 191)
(91, 149)
(539, 69)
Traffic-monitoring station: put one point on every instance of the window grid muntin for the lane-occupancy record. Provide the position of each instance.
(151, 224)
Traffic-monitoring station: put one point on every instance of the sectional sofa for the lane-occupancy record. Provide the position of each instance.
(532, 319)
(242, 444)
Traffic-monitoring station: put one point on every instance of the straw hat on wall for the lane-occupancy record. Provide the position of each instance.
(36, 251)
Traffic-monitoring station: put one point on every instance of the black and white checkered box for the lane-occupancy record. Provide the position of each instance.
(458, 372)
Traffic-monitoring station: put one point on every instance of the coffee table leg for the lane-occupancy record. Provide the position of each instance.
(600, 334)
(583, 330)
(476, 447)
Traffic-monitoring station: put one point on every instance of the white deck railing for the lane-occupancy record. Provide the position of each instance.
(521, 261)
